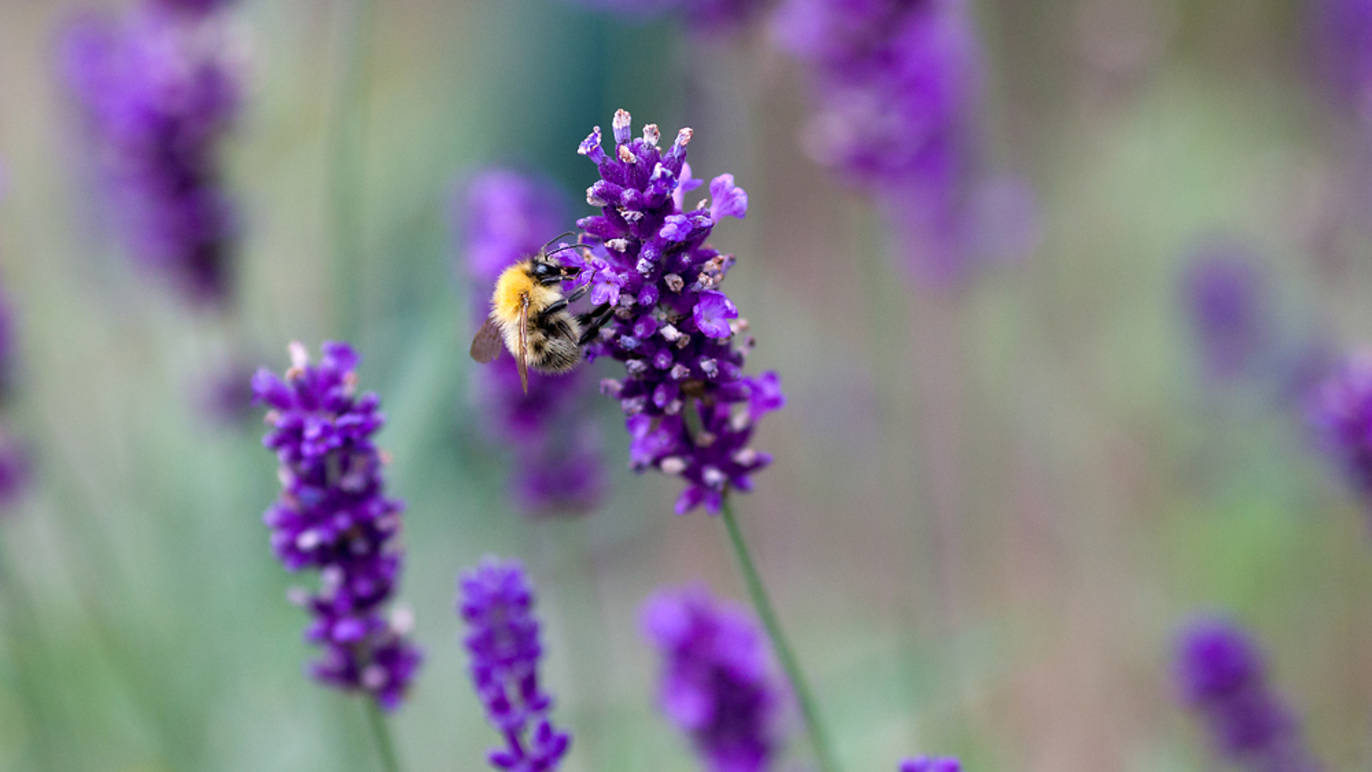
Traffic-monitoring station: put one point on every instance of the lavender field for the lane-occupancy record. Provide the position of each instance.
(954, 385)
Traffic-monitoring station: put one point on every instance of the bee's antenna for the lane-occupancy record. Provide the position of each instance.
(565, 248)
(550, 241)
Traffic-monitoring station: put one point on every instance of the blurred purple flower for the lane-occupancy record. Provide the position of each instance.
(716, 679)
(496, 601)
(930, 764)
(1343, 50)
(506, 216)
(1225, 298)
(14, 469)
(225, 395)
(896, 84)
(333, 515)
(1221, 675)
(671, 326)
(1341, 414)
(159, 92)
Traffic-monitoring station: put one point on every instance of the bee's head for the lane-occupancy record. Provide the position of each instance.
(545, 269)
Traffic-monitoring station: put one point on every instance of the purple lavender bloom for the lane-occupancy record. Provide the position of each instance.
(14, 469)
(1343, 44)
(691, 409)
(496, 601)
(895, 86)
(1341, 414)
(716, 679)
(507, 216)
(1221, 675)
(1225, 298)
(930, 764)
(159, 93)
(333, 515)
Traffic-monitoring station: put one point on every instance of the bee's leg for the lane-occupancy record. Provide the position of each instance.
(592, 321)
(558, 305)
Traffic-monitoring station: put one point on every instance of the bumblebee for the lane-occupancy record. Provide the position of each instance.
(530, 317)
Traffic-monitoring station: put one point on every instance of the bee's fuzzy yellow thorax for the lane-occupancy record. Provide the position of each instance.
(510, 288)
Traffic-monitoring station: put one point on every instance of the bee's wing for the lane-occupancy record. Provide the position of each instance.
(524, 345)
(487, 343)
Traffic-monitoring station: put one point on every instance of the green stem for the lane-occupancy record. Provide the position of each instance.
(385, 748)
(345, 168)
(818, 737)
(25, 649)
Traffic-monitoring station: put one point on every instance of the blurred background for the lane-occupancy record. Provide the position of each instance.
(994, 500)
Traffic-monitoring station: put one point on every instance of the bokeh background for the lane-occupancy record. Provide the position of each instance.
(992, 505)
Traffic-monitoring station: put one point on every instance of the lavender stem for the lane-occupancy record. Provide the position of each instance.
(763, 605)
(381, 733)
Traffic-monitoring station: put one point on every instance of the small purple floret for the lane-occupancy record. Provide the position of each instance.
(333, 516)
(496, 602)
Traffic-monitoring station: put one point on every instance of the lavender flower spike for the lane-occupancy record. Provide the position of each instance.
(159, 91)
(716, 681)
(496, 602)
(506, 216)
(930, 764)
(1221, 675)
(690, 408)
(333, 515)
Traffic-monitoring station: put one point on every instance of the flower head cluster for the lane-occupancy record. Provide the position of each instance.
(1343, 45)
(496, 601)
(333, 515)
(896, 84)
(159, 92)
(1221, 675)
(505, 217)
(691, 409)
(1224, 295)
(930, 764)
(716, 679)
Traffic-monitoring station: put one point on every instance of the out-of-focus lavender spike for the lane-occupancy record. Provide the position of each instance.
(1342, 43)
(1225, 298)
(716, 679)
(159, 90)
(504, 216)
(1221, 675)
(896, 85)
(333, 516)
